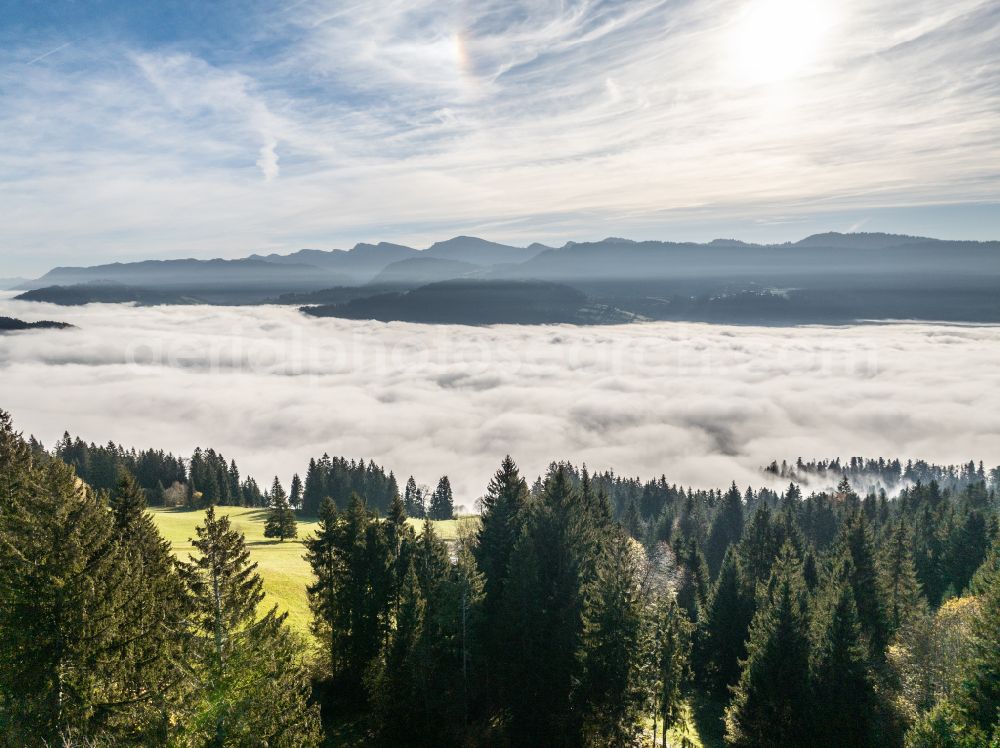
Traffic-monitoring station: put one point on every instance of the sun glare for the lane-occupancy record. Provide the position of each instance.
(774, 40)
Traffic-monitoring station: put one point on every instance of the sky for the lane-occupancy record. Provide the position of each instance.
(703, 404)
(173, 129)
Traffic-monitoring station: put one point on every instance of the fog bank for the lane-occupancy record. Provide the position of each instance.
(703, 404)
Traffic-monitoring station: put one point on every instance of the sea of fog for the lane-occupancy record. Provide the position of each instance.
(702, 404)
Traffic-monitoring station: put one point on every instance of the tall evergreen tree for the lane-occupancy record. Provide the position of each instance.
(153, 621)
(857, 546)
(726, 529)
(295, 492)
(551, 569)
(758, 548)
(978, 698)
(413, 499)
(899, 578)
(671, 661)
(249, 685)
(62, 600)
(451, 592)
(614, 691)
(843, 684)
(325, 558)
(442, 505)
(693, 586)
(499, 530)
(396, 689)
(722, 630)
(771, 704)
(281, 517)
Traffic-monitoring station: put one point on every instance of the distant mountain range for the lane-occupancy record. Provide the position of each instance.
(824, 277)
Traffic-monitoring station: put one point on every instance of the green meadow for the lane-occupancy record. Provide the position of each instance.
(281, 564)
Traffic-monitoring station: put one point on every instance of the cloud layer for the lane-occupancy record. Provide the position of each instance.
(702, 404)
(524, 121)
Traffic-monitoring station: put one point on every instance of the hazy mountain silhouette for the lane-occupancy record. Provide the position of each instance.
(420, 270)
(827, 277)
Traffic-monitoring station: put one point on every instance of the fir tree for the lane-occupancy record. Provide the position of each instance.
(758, 548)
(857, 547)
(671, 661)
(722, 630)
(281, 518)
(693, 587)
(451, 592)
(323, 553)
(771, 704)
(726, 529)
(551, 568)
(154, 614)
(400, 540)
(899, 579)
(442, 504)
(395, 688)
(295, 492)
(62, 601)
(613, 688)
(413, 499)
(978, 698)
(843, 685)
(250, 688)
(500, 527)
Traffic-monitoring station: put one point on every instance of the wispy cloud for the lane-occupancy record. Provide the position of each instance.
(42, 56)
(412, 119)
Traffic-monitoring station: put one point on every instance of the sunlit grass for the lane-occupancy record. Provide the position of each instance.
(281, 564)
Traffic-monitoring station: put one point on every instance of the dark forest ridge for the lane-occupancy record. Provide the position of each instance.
(8, 324)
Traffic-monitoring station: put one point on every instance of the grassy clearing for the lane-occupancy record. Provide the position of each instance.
(281, 564)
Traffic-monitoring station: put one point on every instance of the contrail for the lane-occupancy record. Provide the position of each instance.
(51, 51)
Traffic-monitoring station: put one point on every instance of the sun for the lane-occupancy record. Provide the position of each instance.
(774, 40)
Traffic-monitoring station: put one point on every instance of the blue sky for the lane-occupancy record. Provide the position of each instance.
(135, 130)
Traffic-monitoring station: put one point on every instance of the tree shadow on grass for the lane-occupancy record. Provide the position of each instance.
(707, 716)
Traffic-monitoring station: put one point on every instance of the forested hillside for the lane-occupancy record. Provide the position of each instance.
(856, 605)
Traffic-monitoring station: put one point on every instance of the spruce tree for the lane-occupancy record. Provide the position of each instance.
(451, 592)
(154, 615)
(613, 691)
(551, 569)
(899, 578)
(978, 698)
(857, 546)
(671, 661)
(722, 630)
(413, 499)
(843, 684)
(352, 596)
(395, 689)
(63, 594)
(693, 586)
(250, 687)
(295, 492)
(758, 548)
(500, 527)
(726, 529)
(324, 555)
(771, 704)
(442, 504)
(281, 517)
(400, 540)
